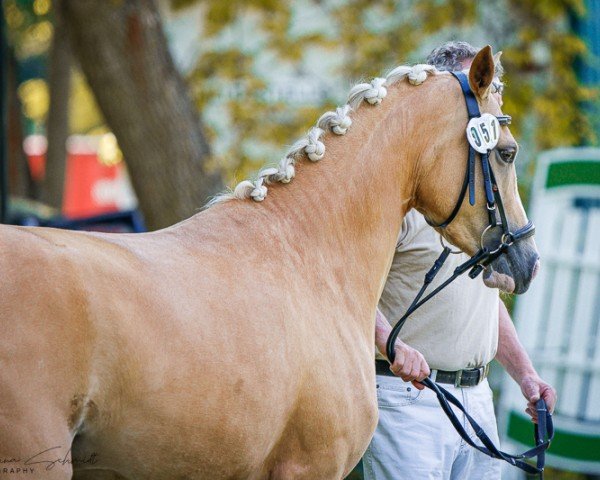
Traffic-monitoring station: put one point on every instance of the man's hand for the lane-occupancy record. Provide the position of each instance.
(534, 388)
(514, 358)
(409, 364)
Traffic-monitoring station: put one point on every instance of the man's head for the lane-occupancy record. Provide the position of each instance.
(452, 56)
(457, 56)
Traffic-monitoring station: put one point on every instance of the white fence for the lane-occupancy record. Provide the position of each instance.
(558, 320)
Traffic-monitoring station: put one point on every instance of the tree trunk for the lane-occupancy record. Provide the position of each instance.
(57, 130)
(123, 53)
(19, 177)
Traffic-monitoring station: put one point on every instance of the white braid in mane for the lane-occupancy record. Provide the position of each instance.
(338, 122)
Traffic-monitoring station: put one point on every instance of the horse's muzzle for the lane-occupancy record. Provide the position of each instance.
(514, 271)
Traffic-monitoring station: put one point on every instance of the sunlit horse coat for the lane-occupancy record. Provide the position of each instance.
(237, 344)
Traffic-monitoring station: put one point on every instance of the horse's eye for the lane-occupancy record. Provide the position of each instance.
(508, 154)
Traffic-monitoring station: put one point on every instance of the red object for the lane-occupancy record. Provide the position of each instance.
(91, 187)
(88, 189)
(37, 166)
(35, 147)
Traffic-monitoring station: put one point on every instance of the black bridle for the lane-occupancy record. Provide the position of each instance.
(544, 429)
(492, 192)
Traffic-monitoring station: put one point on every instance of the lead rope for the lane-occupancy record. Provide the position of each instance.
(544, 429)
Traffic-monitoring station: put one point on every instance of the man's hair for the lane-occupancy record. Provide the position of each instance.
(450, 56)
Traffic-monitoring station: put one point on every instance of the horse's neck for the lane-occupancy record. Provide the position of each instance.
(345, 211)
(351, 203)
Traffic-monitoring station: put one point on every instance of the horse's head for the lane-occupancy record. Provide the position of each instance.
(444, 173)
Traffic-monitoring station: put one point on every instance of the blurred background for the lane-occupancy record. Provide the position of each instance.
(127, 115)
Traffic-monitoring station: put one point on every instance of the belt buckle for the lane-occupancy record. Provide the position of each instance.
(458, 379)
(482, 373)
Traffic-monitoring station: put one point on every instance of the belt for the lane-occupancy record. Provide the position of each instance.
(460, 378)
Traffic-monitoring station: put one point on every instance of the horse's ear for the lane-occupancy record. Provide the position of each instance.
(481, 72)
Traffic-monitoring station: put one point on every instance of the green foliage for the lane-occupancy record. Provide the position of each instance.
(29, 26)
(30, 32)
(254, 119)
(354, 31)
(378, 35)
(539, 64)
(367, 37)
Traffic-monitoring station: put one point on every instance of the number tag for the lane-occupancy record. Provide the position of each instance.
(483, 132)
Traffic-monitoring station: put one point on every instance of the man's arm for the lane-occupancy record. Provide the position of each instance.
(408, 364)
(513, 357)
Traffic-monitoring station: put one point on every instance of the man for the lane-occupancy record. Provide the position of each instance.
(456, 335)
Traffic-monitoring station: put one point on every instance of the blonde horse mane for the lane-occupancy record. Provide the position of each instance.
(338, 122)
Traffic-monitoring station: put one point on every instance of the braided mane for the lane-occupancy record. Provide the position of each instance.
(338, 122)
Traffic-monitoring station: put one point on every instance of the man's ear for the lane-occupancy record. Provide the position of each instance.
(481, 72)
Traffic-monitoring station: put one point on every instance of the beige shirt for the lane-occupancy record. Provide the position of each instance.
(456, 329)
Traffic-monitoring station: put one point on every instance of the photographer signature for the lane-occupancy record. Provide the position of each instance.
(50, 459)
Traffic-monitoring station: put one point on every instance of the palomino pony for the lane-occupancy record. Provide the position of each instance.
(238, 344)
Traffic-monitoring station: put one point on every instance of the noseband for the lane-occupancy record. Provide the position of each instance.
(483, 132)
